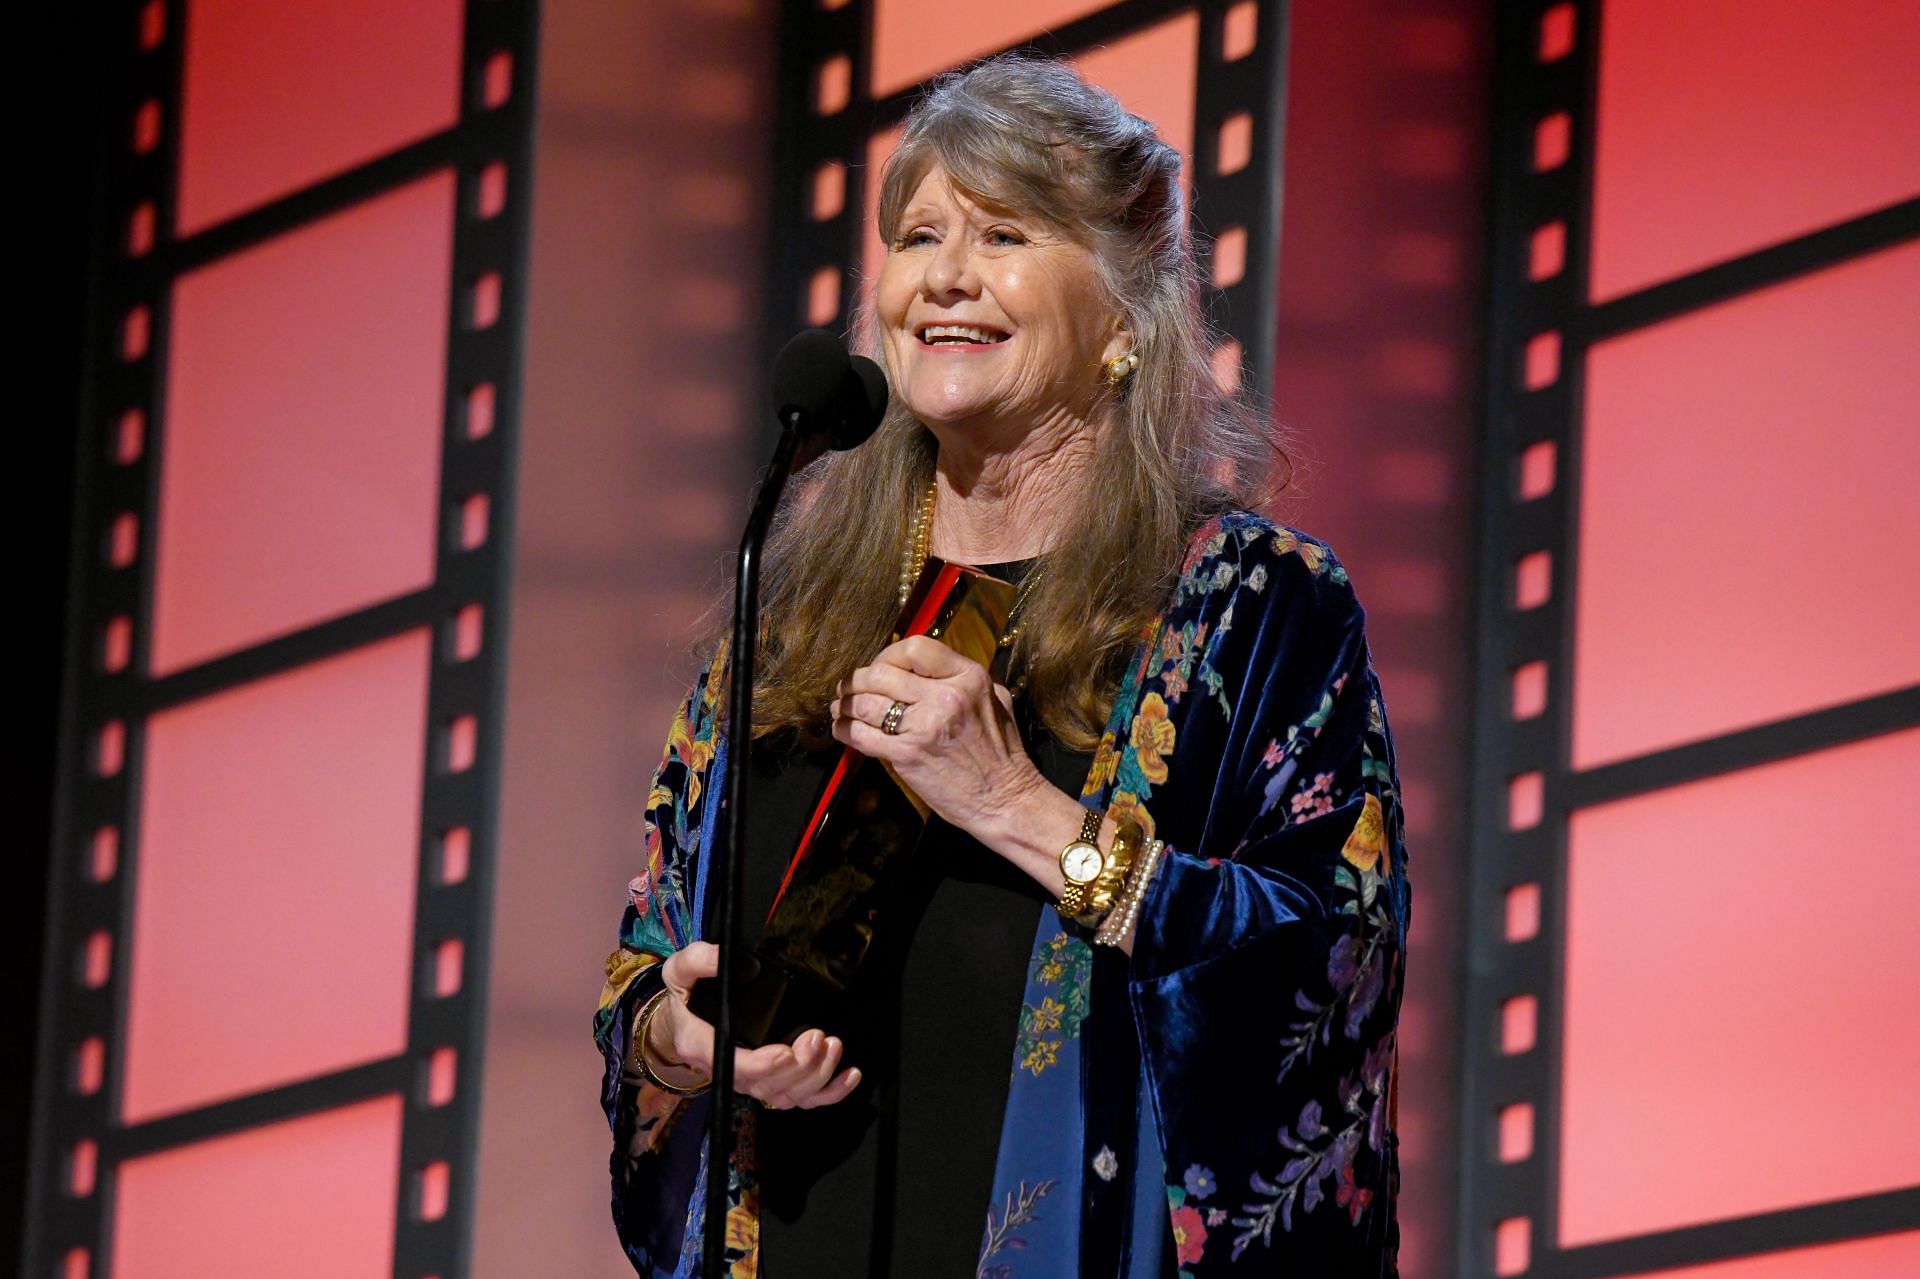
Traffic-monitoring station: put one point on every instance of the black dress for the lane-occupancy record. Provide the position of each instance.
(890, 1181)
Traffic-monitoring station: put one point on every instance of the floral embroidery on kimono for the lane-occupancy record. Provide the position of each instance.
(1238, 1068)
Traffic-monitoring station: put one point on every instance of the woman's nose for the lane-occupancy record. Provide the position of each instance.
(951, 270)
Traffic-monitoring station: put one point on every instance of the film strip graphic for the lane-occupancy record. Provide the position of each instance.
(821, 167)
(1542, 327)
(79, 1140)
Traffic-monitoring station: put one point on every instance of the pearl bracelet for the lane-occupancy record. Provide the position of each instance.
(1118, 924)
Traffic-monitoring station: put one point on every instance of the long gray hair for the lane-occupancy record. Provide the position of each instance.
(1031, 136)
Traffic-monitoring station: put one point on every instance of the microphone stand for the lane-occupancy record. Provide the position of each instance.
(728, 870)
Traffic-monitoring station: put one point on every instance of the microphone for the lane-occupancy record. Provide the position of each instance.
(824, 397)
(827, 397)
(870, 405)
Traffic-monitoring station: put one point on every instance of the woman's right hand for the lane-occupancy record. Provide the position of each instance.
(779, 1076)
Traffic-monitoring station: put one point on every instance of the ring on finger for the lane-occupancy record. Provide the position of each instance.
(891, 724)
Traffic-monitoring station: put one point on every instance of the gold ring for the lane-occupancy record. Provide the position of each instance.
(891, 724)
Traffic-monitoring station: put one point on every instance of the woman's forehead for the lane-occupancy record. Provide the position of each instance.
(938, 192)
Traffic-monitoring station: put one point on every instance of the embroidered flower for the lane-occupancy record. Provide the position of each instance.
(1066, 965)
(1257, 580)
(1350, 1195)
(1366, 992)
(1189, 1234)
(1366, 846)
(1105, 1165)
(1041, 1053)
(1343, 963)
(639, 890)
(1126, 806)
(1317, 558)
(1214, 545)
(1106, 761)
(1200, 1182)
(743, 1229)
(1274, 755)
(1153, 736)
(1173, 682)
(1315, 800)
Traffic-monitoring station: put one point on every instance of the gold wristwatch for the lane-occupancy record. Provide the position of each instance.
(1080, 864)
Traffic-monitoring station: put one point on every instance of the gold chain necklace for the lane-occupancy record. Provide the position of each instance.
(920, 535)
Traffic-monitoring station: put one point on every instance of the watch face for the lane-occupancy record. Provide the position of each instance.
(1080, 863)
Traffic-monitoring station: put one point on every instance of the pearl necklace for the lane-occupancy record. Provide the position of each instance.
(918, 536)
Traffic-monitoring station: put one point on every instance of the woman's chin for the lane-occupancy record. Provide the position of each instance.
(942, 412)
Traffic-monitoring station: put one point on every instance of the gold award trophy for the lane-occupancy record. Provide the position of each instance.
(864, 825)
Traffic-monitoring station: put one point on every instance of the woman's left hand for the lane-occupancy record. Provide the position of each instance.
(957, 745)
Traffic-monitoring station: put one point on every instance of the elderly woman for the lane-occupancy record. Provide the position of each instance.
(1136, 1014)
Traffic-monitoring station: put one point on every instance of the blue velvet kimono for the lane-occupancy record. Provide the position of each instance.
(1236, 1074)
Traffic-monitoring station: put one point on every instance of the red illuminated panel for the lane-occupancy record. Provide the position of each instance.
(914, 40)
(874, 246)
(273, 915)
(279, 96)
(302, 455)
(1746, 520)
(309, 1198)
(1735, 953)
(1728, 125)
(1875, 1258)
(1152, 72)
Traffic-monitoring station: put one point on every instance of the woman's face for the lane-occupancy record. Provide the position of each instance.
(990, 321)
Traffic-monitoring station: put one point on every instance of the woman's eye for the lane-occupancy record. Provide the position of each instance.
(912, 238)
(1000, 235)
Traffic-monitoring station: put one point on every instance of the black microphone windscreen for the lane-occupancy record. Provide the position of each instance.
(863, 416)
(808, 374)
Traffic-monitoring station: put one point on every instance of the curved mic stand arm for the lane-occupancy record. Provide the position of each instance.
(723, 922)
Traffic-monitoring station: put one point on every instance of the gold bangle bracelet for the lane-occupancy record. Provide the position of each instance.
(1106, 887)
(637, 1056)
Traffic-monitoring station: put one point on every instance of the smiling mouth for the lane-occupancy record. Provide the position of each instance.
(959, 335)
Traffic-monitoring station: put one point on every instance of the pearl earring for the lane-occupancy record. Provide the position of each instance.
(1121, 367)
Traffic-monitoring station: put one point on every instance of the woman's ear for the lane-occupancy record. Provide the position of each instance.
(1119, 343)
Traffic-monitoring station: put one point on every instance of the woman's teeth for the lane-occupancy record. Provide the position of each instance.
(935, 334)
